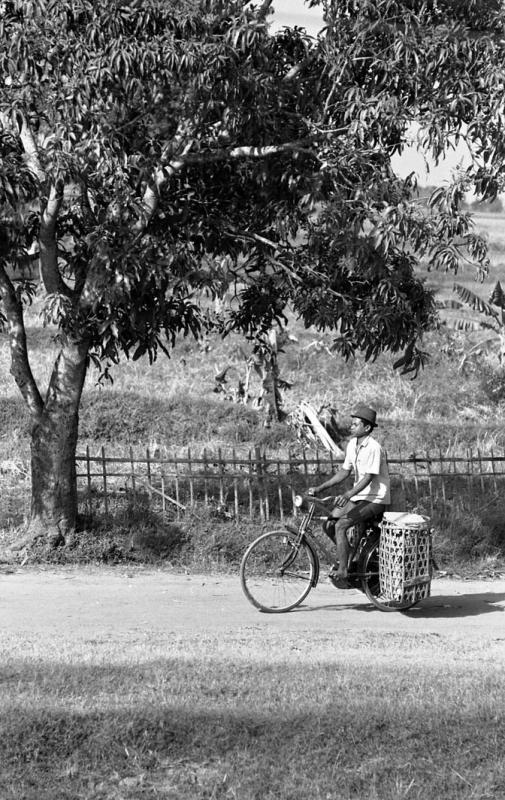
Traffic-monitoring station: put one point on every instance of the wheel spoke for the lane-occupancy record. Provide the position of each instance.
(277, 571)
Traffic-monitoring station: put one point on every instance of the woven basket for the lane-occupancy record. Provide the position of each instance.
(405, 558)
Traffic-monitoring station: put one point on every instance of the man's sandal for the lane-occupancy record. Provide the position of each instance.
(339, 581)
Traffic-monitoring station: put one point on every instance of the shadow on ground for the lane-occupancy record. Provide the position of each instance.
(438, 607)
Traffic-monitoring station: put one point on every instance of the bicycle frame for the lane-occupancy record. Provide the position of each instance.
(305, 533)
(289, 561)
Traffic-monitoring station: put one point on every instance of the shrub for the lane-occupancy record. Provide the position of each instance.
(492, 382)
(468, 531)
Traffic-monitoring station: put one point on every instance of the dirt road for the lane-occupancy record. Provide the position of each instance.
(81, 602)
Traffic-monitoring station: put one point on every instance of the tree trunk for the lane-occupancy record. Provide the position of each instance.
(53, 449)
(268, 369)
(270, 395)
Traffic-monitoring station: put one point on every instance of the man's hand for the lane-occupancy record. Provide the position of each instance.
(312, 490)
(341, 500)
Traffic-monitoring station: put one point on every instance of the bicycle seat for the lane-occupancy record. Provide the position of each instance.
(372, 522)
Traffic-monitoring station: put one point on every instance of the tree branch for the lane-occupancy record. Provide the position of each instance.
(47, 236)
(48, 242)
(250, 236)
(164, 172)
(25, 133)
(20, 365)
(247, 151)
(31, 151)
(264, 9)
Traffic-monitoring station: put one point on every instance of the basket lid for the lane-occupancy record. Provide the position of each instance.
(405, 519)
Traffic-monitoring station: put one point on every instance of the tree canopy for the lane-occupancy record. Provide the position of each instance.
(159, 153)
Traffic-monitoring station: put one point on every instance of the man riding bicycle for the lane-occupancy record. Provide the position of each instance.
(369, 495)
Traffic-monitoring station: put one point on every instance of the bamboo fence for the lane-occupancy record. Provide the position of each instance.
(254, 485)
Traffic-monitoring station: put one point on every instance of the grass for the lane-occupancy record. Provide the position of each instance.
(234, 716)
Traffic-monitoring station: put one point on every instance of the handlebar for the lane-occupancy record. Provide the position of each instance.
(301, 499)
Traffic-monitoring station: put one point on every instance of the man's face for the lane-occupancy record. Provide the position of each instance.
(359, 427)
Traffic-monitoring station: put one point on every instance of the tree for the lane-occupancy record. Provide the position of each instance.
(157, 153)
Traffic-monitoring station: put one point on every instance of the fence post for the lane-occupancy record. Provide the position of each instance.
(480, 470)
(469, 469)
(279, 491)
(250, 482)
(259, 473)
(221, 476)
(266, 485)
(442, 476)
(205, 492)
(104, 477)
(416, 479)
(294, 509)
(176, 484)
(403, 485)
(430, 480)
(493, 467)
(88, 475)
(163, 501)
(134, 484)
(148, 459)
(191, 486)
(235, 486)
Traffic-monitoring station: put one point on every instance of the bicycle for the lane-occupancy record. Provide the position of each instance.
(280, 568)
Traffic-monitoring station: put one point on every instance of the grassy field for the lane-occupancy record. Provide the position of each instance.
(248, 718)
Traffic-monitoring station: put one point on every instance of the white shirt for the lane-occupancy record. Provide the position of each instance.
(369, 457)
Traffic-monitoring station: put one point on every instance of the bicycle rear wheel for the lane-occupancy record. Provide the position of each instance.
(276, 573)
(371, 583)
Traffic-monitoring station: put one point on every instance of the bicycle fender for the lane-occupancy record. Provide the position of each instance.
(315, 579)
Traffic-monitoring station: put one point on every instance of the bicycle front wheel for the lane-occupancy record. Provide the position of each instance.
(371, 582)
(276, 572)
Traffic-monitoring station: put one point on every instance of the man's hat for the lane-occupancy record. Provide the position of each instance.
(366, 413)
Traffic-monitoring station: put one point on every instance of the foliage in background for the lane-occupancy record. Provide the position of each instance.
(486, 319)
(172, 405)
(493, 384)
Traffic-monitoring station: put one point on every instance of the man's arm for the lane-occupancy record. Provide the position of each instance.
(356, 489)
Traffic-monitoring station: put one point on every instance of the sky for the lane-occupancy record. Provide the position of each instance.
(296, 12)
